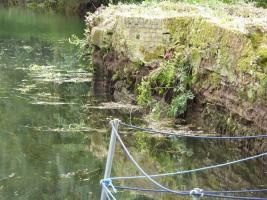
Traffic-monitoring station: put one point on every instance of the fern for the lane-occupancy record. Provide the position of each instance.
(179, 103)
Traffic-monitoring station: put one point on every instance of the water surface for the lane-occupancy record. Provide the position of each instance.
(54, 136)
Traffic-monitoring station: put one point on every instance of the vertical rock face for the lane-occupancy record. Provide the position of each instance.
(226, 47)
(146, 37)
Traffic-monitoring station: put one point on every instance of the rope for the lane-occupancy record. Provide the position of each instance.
(193, 170)
(108, 182)
(239, 191)
(105, 183)
(192, 136)
(145, 175)
(107, 194)
(201, 193)
(195, 192)
(205, 192)
(234, 197)
(139, 168)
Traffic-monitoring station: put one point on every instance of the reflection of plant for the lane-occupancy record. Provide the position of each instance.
(81, 43)
(141, 141)
(155, 145)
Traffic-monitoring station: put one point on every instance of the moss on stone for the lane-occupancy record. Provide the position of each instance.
(247, 56)
(251, 93)
(256, 37)
(225, 122)
(232, 53)
(148, 56)
(262, 60)
(262, 91)
(96, 37)
(214, 80)
(179, 29)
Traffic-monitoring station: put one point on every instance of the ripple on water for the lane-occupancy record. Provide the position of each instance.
(54, 138)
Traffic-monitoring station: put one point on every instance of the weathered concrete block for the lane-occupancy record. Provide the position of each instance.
(226, 47)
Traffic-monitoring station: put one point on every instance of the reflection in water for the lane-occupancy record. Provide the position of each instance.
(54, 136)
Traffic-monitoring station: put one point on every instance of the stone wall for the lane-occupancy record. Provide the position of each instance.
(226, 47)
(143, 36)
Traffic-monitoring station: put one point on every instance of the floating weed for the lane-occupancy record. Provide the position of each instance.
(83, 174)
(26, 88)
(53, 74)
(52, 103)
(113, 106)
(43, 81)
(70, 128)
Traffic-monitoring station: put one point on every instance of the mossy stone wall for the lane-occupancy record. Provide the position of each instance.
(227, 52)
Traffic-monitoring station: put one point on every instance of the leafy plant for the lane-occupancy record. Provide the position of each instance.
(170, 83)
(85, 51)
(179, 103)
(144, 97)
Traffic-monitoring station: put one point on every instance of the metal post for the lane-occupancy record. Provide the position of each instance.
(111, 150)
(196, 197)
(196, 193)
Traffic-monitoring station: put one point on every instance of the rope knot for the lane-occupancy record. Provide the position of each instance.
(197, 192)
(108, 183)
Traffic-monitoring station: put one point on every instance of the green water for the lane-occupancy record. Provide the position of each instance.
(54, 133)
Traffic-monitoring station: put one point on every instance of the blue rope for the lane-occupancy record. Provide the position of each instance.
(193, 170)
(205, 192)
(108, 182)
(139, 167)
(107, 194)
(192, 136)
(239, 191)
(145, 175)
(105, 183)
(198, 192)
(234, 197)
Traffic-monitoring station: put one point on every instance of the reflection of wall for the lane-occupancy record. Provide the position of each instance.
(97, 146)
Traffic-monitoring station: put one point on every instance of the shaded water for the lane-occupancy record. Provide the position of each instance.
(54, 136)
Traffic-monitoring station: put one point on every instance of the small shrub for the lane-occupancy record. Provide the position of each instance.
(85, 51)
(144, 97)
(179, 103)
(170, 83)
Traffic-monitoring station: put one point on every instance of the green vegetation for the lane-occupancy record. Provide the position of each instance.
(77, 7)
(169, 83)
(260, 3)
(81, 6)
(149, 144)
(84, 52)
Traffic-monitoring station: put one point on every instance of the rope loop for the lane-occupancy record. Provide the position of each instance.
(108, 183)
(197, 192)
(112, 121)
